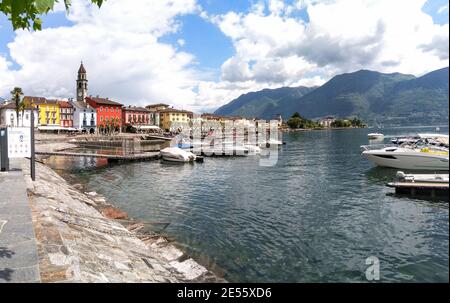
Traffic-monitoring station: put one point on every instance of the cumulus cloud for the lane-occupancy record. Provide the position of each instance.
(119, 47)
(273, 47)
(439, 44)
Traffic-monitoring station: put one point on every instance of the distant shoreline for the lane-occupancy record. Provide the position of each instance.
(287, 130)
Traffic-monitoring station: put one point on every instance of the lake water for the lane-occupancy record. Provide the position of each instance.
(313, 217)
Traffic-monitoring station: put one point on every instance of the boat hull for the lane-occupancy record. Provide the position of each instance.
(412, 161)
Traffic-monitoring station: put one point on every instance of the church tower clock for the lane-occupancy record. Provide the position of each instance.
(82, 84)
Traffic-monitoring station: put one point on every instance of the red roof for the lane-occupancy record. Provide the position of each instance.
(12, 105)
(173, 110)
(103, 101)
(64, 104)
(35, 100)
(135, 109)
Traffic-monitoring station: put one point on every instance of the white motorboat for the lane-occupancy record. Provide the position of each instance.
(176, 154)
(271, 141)
(435, 139)
(422, 178)
(375, 136)
(408, 157)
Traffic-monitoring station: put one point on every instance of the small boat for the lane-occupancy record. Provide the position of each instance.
(253, 149)
(422, 178)
(175, 154)
(401, 140)
(435, 139)
(224, 150)
(270, 142)
(375, 136)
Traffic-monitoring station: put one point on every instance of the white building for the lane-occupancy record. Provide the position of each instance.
(326, 122)
(8, 116)
(84, 117)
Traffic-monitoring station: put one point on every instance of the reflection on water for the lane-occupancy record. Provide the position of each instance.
(315, 216)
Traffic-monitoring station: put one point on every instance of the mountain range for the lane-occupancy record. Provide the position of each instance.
(372, 96)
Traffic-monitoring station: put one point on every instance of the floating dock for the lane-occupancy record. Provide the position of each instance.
(109, 157)
(435, 190)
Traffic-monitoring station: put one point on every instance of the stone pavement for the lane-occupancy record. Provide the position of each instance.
(18, 250)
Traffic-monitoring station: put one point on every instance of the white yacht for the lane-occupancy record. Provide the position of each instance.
(375, 136)
(409, 157)
(176, 154)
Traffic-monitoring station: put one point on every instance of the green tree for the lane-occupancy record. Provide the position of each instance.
(16, 97)
(25, 14)
(294, 122)
(296, 115)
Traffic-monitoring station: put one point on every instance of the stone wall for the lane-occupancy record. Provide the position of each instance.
(76, 243)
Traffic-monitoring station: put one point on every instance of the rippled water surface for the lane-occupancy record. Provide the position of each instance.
(315, 216)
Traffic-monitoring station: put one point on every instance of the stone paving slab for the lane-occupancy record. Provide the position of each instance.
(18, 252)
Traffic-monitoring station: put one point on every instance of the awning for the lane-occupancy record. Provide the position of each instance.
(54, 127)
(146, 127)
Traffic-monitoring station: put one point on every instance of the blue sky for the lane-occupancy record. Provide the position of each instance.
(211, 51)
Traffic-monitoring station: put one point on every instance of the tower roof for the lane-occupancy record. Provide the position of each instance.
(82, 70)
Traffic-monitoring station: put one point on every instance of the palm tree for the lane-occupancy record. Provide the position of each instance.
(22, 107)
(16, 93)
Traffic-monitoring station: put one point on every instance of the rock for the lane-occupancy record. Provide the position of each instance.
(114, 213)
(78, 186)
(91, 193)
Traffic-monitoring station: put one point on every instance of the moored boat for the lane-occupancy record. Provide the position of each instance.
(409, 157)
(423, 178)
(375, 136)
(175, 154)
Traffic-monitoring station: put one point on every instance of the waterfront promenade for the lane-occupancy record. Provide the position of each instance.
(18, 250)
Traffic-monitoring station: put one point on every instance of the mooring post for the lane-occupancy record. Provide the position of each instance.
(32, 158)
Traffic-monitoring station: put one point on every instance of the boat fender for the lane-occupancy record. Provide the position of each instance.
(400, 175)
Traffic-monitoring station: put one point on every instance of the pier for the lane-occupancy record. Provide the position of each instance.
(110, 157)
(423, 189)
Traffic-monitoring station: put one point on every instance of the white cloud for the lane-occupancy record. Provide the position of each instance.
(442, 9)
(119, 48)
(273, 47)
(181, 42)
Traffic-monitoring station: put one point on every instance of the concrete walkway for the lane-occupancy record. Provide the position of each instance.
(18, 252)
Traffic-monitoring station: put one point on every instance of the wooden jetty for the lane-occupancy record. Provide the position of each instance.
(427, 189)
(109, 157)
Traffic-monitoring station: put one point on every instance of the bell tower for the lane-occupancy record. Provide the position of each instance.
(82, 84)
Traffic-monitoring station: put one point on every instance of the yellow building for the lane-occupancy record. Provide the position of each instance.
(48, 110)
(169, 115)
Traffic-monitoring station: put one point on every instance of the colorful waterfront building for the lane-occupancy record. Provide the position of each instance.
(8, 115)
(154, 112)
(213, 117)
(109, 112)
(49, 112)
(170, 115)
(84, 117)
(137, 117)
(66, 114)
